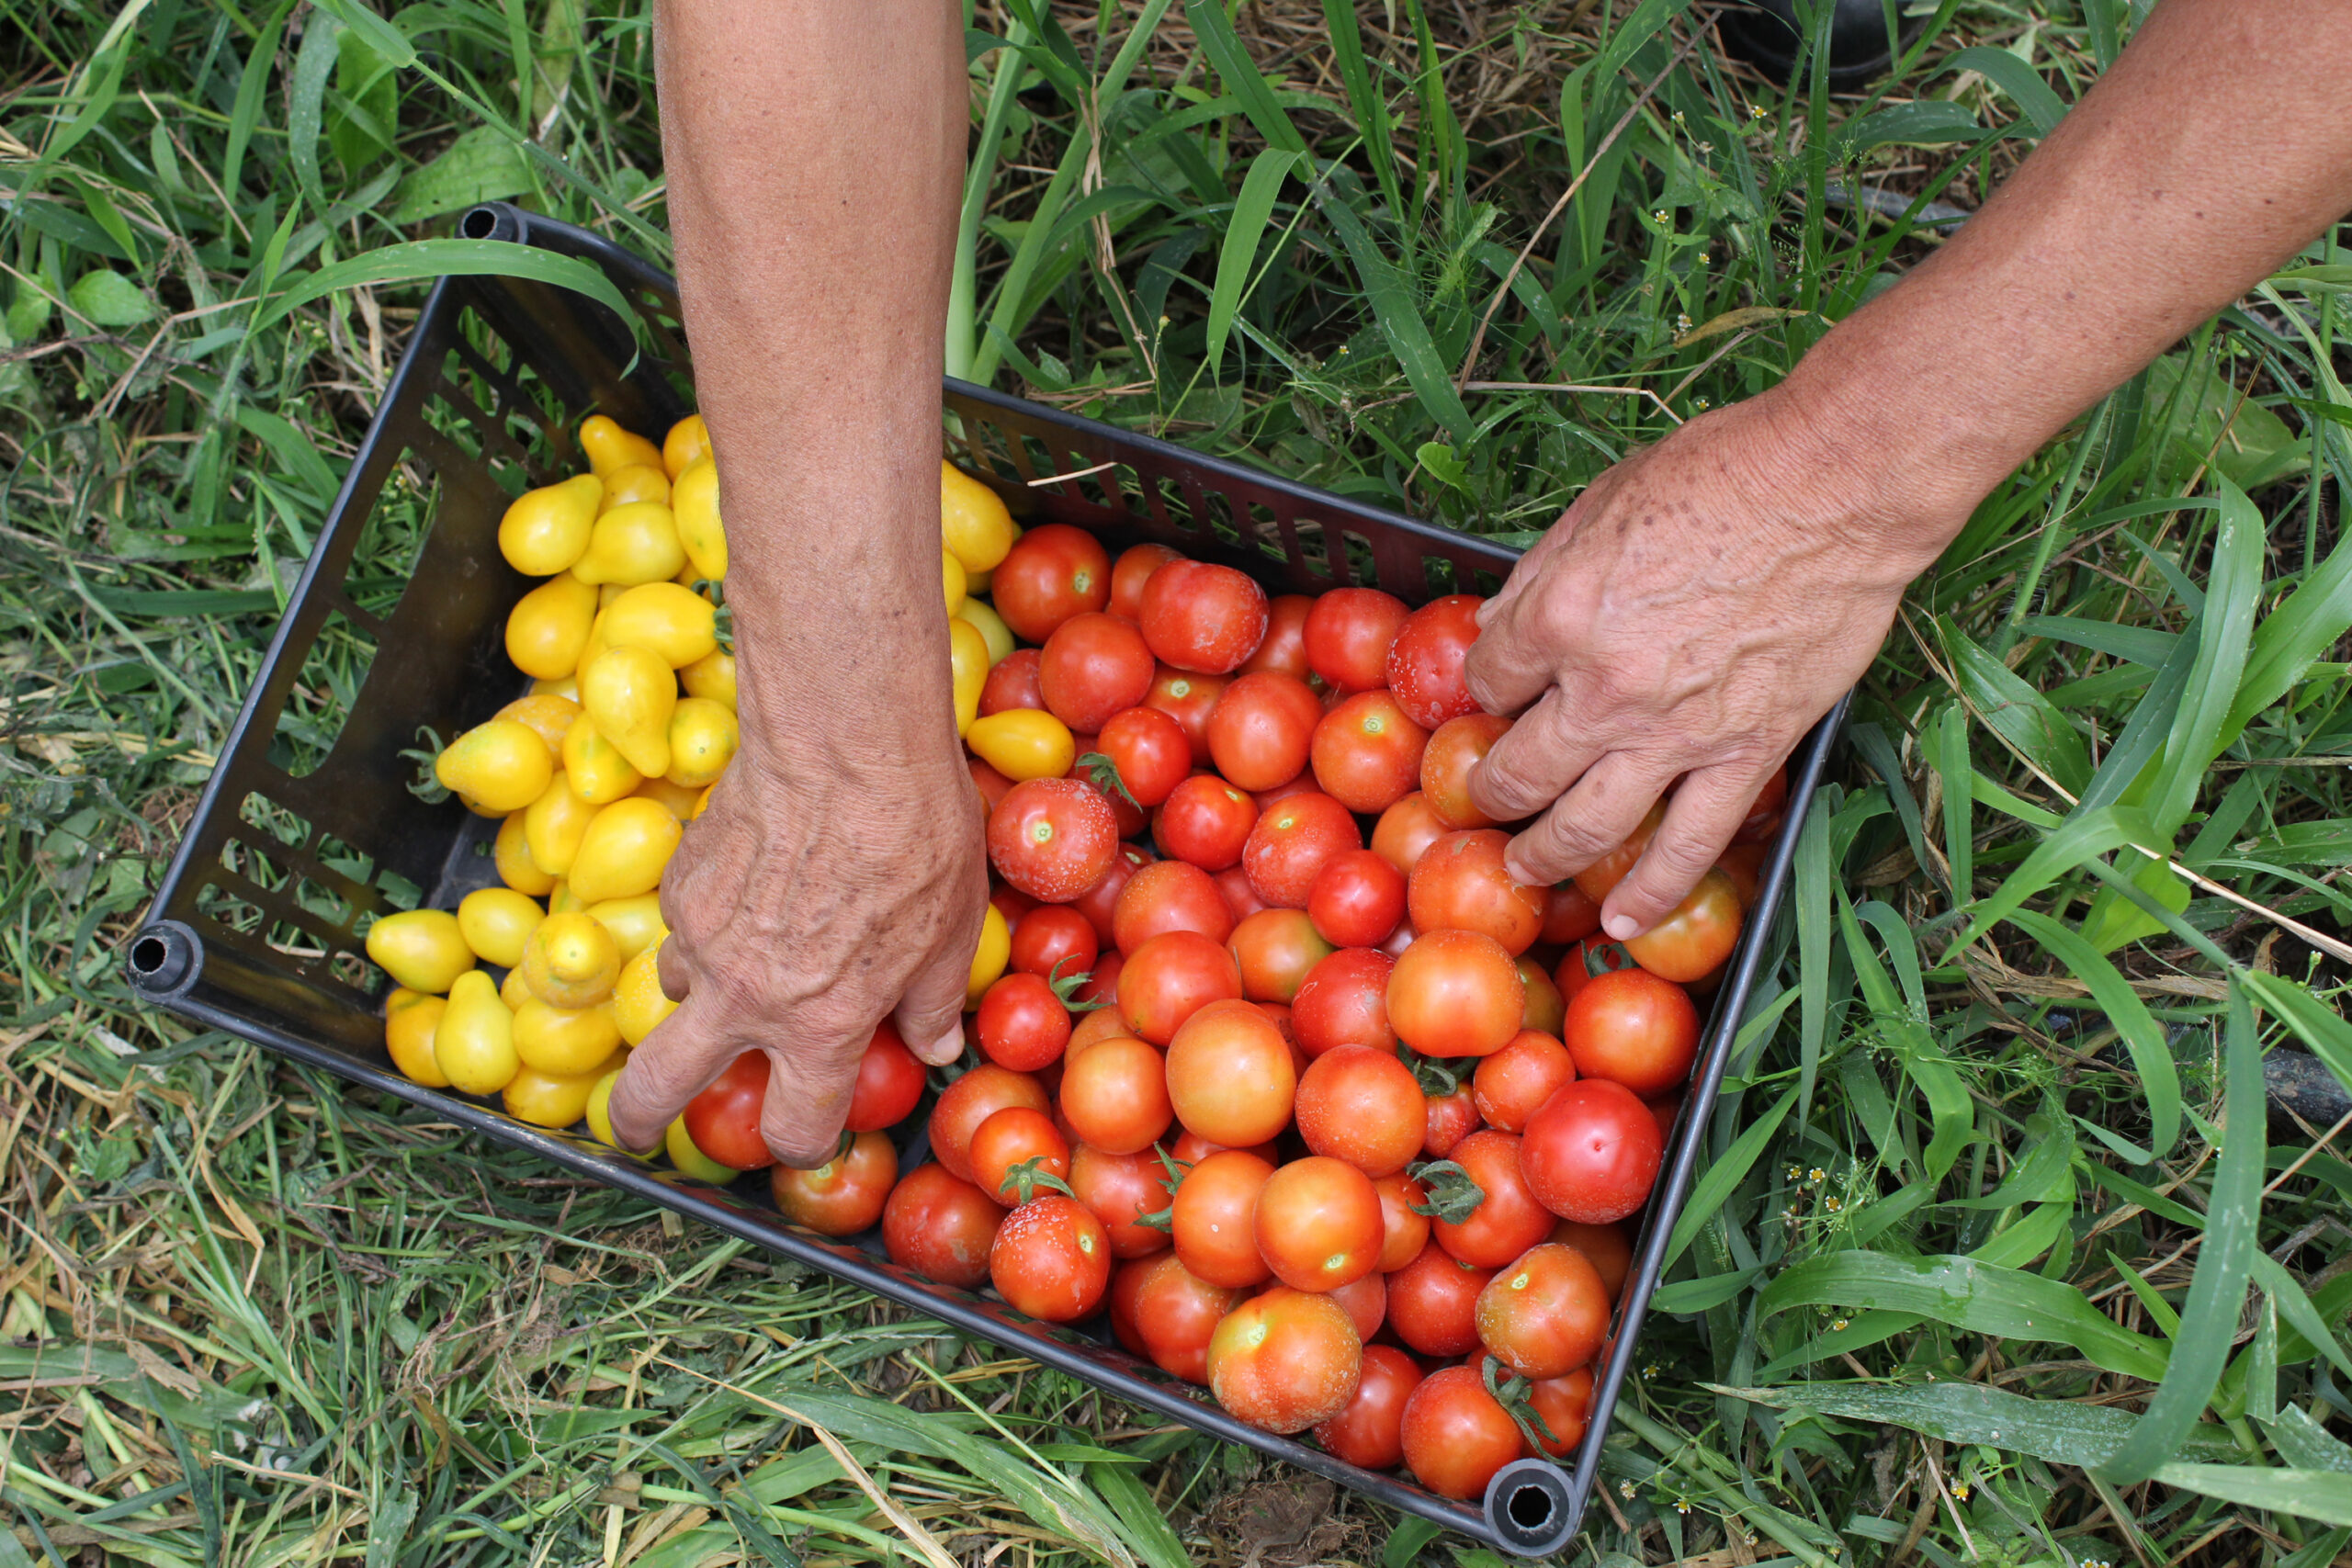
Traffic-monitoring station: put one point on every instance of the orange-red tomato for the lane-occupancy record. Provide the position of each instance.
(1608, 1247)
(1694, 941)
(1455, 747)
(1545, 1315)
(1092, 667)
(1133, 569)
(1357, 899)
(1150, 751)
(1205, 821)
(1592, 1152)
(1021, 1023)
(1764, 813)
(1169, 978)
(1406, 830)
(1449, 1119)
(1012, 683)
(1099, 902)
(1459, 883)
(1275, 950)
(1363, 1106)
(1434, 1302)
(1213, 1218)
(1175, 1313)
(1115, 1096)
(1190, 1148)
(1610, 870)
(941, 1226)
(1188, 698)
(1317, 1223)
(1283, 647)
(1546, 1010)
(1564, 1407)
(963, 1105)
(1203, 617)
(1053, 839)
(1366, 753)
(843, 1196)
(1010, 1140)
(890, 1082)
(1348, 634)
(1405, 1230)
(1344, 1001)
(1169, 895)
(1455, 993)
(1633, 1028)
(1425, 662)
(1261, 729)
(1051, 1260)
(993, 787)
(1369, 1432)
(1229, 1073)
(1513, 1085)
(1054, 941)
(1121, 1189)
(1367, 1303)
(1744, 863)
(1285, 1360)
(1290, 843)
(1509, 1220)
(724, 1119)
(1050, 574)
(1569, 915)
(1454, 1434)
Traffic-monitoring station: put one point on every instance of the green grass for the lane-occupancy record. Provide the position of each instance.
(1951, 1299)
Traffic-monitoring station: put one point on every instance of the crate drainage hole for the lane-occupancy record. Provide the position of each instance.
(149, 953)
(1531, 1508)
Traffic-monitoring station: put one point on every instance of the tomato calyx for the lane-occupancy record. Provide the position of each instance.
(1514, 1394)
(1453, 1193)
(1604, 958)
(426, 786)
(1104, 774)
(1023, 1181)
(1065, 987)
(1165, 1219)
(1435, 1077)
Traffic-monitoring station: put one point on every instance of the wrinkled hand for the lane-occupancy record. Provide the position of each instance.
(826, 888)
(1700, 604)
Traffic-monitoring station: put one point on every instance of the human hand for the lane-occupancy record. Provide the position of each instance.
(1700, 604)
(827, 887)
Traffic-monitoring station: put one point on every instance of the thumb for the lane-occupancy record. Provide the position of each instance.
(808, 1099)
(676, 1062)
(930, 1016)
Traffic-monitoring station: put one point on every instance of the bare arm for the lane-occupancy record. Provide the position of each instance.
(814, 153)
(1707, 599)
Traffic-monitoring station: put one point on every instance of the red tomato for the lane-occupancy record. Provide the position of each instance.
(1205, 821)
(1367, 1303)
(1545, 1315)
(1291, 842)
(1050, 574)
(1545, 1009)
(1188, 698)
(1361, 1106)
(1150, 749)
(1261, 729)
(1448, 1119)
(1012, 683)
(971, 1099)
(1275, 950)
(1366, 753)
(1094, 1026)
(1695, 940)
(941, 1226)
(1400, 939)
(1097, 902)
(1664, 1110)
(1764, 813)
(1509, 1220)
(1119, 1305)
(1190, 1148)
(1586, 960)
(1563, 1407)
(724, 1120)
(1356, 900)
(1211, 1218)
(1344, 1001)
(1170, 977)
(1434, 1302)
(1607, 872)
(1115, 1096)
(1406, 830)
(1568, 914)
(1369, 1432)
(1092, 667)
(1348, 635)
(1011, 902)
(1203, 617)
(1513, 1085)
(1011, 1138)
(844, 1195)
(1100, 992)
(1317, 1223)
(1229, 1073)
(1120, 1190)
(1175, 1313)
(1053, 839)
(1054, 941)
(1240, 898)
(890, 1082)
(1455, 747)
(1454, 1434)
(1403, 1229)
(1136, 566)
(1744, 863)
(1607, 1248)
(1425, 662)
(992, 784)
(1303, 785)
(1455, 993)
(1460, 885)
(1591, 1154)
(1087, 768)
(1285, 1360)
(1169, 895)
(1284, 647)
(1633, 1028)
(1022, 1024)
(1051, 1260)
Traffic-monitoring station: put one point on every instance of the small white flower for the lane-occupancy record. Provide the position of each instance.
(1839, 1325)
(1625, 1490)
(1702, 258)
(1706, 146)
(1816, 1174)
(1833, 1202)
(1659, 216)
(1756, 111)
(1682, 322)
(1702, 404)
(1960, 1490)
(1678, 117)
(1682, 1504)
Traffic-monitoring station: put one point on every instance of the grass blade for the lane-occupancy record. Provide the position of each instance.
(1239, 253)
(1399, 318)
(420, 259)
(1724, 1176)
(2143, 1036)
(2054, 1430)
(2224, 628)
(1240, 75)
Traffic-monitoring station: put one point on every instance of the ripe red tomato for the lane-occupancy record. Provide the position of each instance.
(1051, 1260)
(1261, 729)
(1012, 683)
(1050, 574)
(1568, 914)
(1284, 645)
(1213, 1218)
(890, 1082)
(1633, 1028)
(1400, 939)
(1348, 635)
(1190, 1148)
(1188, 698)
(1240, 897)
(1317, 1223)
(1275, 950)
(1405, 830)
(724, 1120)
(1403, 1229)
(1093, 666)
(1290, 843)
(1115, 1096)
(1175, 1313)
(1169, 895)
(1285, 1360)
(1455, 993)
(1011, 902)
(1369, 1432)
(1545, 1009)
(1447, 1120)
(1135, 568)
(1120, 1190)
(1022, 1024)
(1367, 1303)
(1344, 1001)
(1545, 1315)
(963, 1105)
(1150, 749)
(1460, 885)
(1665, 1110)
(1205, 821)
(843, 1196)
(1011, 1138)
(1591, 1154)
(1694, 941)
(1509, 1220)
(1229, 1073)
(1764, 813)
(1101, 991)
(1607, 872)
(1170, 977)
(1366, 753)
(1455, 747)
(1053, 839)
(1203, 617)
(1607, 1248)
(1455, 1435)
(1425, 662)
(1054, 941)
(1097, 902)
(1361, 1106)
(1744, 863)
(1563, 1407)
(941, 1226)
(1586, 960)
(992, 784)
(1513, 1085)
(1434, 1302)
(1356, 900)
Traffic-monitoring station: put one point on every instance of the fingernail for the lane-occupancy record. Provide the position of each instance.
(945, 1049)
(1621, 928)
(1516, 869)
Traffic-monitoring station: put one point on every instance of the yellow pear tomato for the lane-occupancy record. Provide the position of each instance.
(554, 824)
(545, 530)
(676, 623)
(565, 1042)
(515, 990)
(712, 676)
(632, 544)
(497, 767)
(628, 844)
(497, 923)
(988, 959)
(702, 738)
(562, 900)
(599, 1115)
(973, 522)
(1023, 743)
(687, 444)
(512, 855)
(952, 579)
(548, 628)
(474, 1046)
(549, 716)
(638, 1003)
(565, 686)
(421, 949)
(547, 1099)
(636, 923)
(572, 960)
(599, 773)
(607, 446)
(968, 653)
(630, 693)
(693, 501)
(993, 630)
(410, 1019)
(635, 482)
(676, 799)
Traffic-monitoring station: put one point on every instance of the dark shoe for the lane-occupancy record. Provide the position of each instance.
(1766, 34)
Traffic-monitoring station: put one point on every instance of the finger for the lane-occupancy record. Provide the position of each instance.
(1511, 663)
(1534, 762)
(1529, 566)
(808, 1094)
(670, 968)
(1592, 819)
(680, 1058)
(930, 1015)
(1701, 817)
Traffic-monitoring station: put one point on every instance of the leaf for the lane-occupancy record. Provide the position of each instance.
(2143, 1036)
(1438, 458)
(2057, 1430)
(1240, 73)
(2024, 85)
(1723, 1178)
(481, 165)
(107, 299)
(1238, 251)
(420, 259)
(2224, 628)
(306, 103)
(2081, 837)
(2141, 645)
(1370, 108)
(2305, 1444)
(2020, 714)
(1148, 1529)
(361, 128)
(2211, 421)
(1813, 879)
(2320, 1494)
(1928, 122)
(1399, 318)
(2292, 636)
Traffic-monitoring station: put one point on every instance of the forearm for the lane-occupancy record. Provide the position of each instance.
(2219, 145)
(814, 153)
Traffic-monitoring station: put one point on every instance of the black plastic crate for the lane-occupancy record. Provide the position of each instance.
(308, 830)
